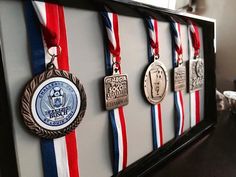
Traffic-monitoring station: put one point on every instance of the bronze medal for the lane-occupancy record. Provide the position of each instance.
(53, 103)
(196, 74)
(155, 82)
(179, 78)
(116, 91)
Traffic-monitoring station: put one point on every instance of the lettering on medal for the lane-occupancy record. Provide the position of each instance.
(179, 78)
(196, 76)
(56, 103)
(116, 91)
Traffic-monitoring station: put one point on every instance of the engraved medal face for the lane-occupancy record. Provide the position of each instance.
(196, 74)
(179, 78)
(116, 91)
(53, 104)
(155, 82)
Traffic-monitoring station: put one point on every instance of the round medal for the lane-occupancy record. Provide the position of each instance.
(53, 103)
(155, 82)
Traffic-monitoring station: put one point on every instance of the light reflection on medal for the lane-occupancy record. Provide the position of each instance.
(196, 74)
(155, 81)
(53, 103)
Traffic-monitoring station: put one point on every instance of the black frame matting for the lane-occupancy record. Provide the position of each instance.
(8, 165)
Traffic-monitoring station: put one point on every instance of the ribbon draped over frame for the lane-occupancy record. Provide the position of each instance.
(178, 95)
(59, 156)
(116, 116)
(153, 49)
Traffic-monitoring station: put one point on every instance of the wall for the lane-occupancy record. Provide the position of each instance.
(224, 13)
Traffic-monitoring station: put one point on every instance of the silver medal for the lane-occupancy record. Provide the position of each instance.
(116, 90)
(155, 82)
(179, 78)
(196, 74)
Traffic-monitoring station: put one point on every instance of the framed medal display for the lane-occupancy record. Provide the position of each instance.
(109, 88)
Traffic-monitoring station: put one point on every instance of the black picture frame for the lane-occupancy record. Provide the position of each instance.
(8, 164)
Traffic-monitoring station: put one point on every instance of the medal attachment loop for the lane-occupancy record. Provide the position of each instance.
(196, 57)
(116, 67)
(156, 57)
(54, 52)
(180, 60)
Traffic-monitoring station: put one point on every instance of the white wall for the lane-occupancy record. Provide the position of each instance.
(159, 3)
(224, 13)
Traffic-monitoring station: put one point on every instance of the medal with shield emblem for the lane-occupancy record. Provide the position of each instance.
(53, 103)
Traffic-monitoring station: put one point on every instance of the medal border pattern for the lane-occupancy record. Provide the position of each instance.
(26, 99)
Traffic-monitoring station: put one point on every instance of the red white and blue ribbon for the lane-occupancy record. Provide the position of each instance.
(194, 51)
(46, 28)
(117, 119)
(177, 59)
(153, 49)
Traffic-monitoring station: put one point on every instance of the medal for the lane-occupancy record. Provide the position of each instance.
(116, 90)
(53, 103)
(179, 78)
(196, 74)
(155, 81)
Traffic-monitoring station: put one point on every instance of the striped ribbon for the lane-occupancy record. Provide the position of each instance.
(59, 156)
(178, 95)
(194, 51)
(153, 49)
(116, 116)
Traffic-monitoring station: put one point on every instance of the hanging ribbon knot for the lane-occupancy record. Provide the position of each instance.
(175, 28)
(112, 28)
(49, 18)
(195, 38)
(152, 25)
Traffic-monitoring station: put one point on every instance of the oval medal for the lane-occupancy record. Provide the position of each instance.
(53, 103)
(155, 82)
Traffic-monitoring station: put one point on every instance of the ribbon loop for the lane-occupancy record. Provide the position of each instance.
(49, 18)
(177, 62)
(112, 28)
(175, 28)
(195, 38)
(152, 25)
(153, 54)
(59, 156)
(116, 116)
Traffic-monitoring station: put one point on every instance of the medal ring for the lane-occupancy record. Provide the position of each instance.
(54, 51)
